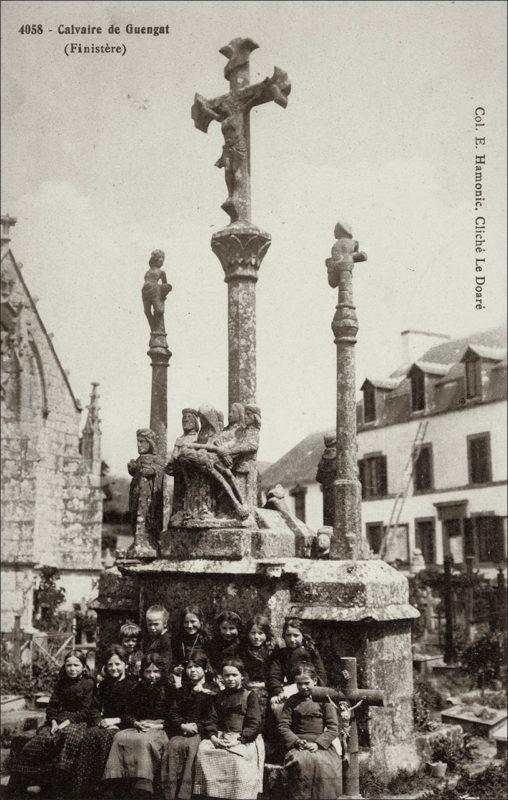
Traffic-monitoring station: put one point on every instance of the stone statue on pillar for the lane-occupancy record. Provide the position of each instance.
(326, 475)
(154, 292)
(145, 496)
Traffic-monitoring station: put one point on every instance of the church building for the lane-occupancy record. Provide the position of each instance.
(51, 494)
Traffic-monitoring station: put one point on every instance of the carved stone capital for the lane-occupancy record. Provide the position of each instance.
(240, 251)
(345, 323)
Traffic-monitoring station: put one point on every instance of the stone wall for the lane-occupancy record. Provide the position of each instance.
(51, 498)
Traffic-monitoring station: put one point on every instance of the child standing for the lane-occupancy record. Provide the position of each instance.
(256, 656)
(190, 709)
(227, 641)
(53, 751)
(230, 761)
(299, 648)
(192, 637)
(130, 639)
(112, 697)
(307, 729)
(160, 639)
(136, 752)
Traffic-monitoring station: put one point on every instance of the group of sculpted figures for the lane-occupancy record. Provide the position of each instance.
(214, 471)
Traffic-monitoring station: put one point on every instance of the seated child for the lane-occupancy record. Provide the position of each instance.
(51, 754)
(308, 729)
(299, 648)
(112, 697)
(159, 637)
(192, 636)
(230, 760)
(136, 752)
(184, 726)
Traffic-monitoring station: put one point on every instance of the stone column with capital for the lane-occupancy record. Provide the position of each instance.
(241, 246)
(347, 541)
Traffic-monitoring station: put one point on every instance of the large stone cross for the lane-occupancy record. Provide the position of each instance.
(232, 111)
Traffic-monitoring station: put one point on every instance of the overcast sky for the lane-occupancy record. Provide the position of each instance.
(101, 164)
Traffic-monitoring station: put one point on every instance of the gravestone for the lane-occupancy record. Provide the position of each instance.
(220, 550)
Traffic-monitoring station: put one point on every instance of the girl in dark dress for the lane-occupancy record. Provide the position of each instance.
(227, 641)
(230, 761)
(192, 636)
(308, 729)
(50, 756)
(299, 649)
(112, 697)
(256, 656)
(136, 751)
(184, 726)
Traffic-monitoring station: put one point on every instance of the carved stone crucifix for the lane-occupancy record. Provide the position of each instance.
(232, 111)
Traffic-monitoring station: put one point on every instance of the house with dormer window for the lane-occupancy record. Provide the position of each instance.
(431, 453)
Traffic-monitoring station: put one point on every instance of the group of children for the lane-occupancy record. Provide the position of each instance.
(190, 713)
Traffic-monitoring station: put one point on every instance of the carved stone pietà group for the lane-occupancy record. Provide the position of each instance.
(214, 471)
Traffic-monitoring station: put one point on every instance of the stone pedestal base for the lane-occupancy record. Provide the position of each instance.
(230, 544)
(352, 608)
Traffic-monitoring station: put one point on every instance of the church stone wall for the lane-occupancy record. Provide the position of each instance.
(51, 498)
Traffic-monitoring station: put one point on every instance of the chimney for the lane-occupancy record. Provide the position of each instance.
(7, 223)
(416, 343)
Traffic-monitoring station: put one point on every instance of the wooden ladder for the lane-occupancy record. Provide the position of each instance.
(402, 494)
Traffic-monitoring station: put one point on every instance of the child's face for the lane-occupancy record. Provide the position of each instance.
(152, 675)
(228, 630)
(293, 638)
(155, 624)
(232, 677)
(129, 643)
(73, 667)
(257, 637)
(194, 673)
(191, 624)
(115, 667)
(305, 684)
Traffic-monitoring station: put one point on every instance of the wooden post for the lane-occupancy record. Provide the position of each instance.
(449, 646)
(500, 593)
(469, 599)
(16, 638)
(351, 693)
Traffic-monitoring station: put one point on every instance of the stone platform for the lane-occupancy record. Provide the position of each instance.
(353, 608)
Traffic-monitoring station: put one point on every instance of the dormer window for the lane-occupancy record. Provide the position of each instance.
(369, 403)
(473, 378)
(417, 390)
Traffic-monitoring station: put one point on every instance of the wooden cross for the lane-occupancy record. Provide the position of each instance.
(232, 111)
(355, 697)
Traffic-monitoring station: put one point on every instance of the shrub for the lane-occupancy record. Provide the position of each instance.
(484, 657)
(491, 783)
(28, 682)
(453, 752)
(426, 699)
(372, 785)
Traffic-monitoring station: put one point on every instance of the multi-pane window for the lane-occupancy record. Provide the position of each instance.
(473, 378)
(373, 476)
(489, 539)
(417, 390)
(423, 477)
(369, 404)
(479, 458)
(425, 539)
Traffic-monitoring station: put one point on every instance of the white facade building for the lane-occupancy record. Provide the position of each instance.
(431, 454)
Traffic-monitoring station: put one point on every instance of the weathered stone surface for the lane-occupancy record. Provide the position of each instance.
(51, 494)
(326, 476)
(217, 543)
(146, 496)
(232, 110)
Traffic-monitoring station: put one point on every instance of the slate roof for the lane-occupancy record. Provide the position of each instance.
(442, 363)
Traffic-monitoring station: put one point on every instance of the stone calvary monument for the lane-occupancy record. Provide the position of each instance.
(221, 549)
